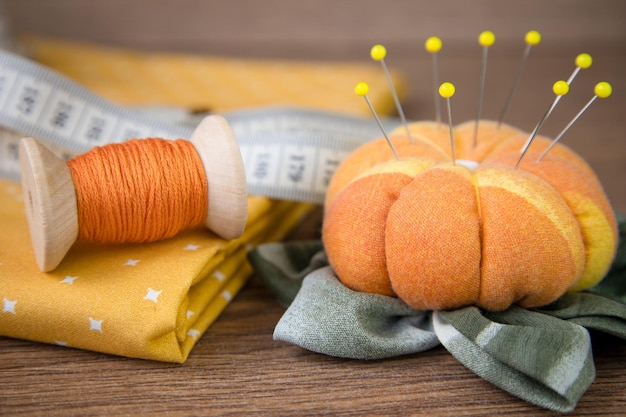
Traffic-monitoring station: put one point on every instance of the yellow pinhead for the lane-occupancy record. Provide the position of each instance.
(486, 38)
(584, 61)
(533, 37)
(378, 52)
(433, 44)
(446, 90)
(560, 88)
(603, 89)
(362, 89)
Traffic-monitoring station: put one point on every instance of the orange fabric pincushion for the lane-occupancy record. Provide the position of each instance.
(442, 235)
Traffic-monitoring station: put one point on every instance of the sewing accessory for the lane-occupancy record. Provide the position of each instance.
(362, 89)
(55, 191)
(433, 46)
(583, 61)
(373, 193)
(485, 39)
(601, 90)
(447, 90)
(532, 38)
(446, 246)
(378, 53)
(560, 88)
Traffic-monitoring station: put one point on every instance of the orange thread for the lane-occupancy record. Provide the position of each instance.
(141, 190)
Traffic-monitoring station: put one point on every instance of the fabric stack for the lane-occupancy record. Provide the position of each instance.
(156, 300)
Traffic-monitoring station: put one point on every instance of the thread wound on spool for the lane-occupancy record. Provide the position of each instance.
(142, 190)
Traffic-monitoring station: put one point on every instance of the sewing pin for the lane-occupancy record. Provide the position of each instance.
(378, 53)
(601, 90)
(583, 61)
(532, 38)
(485, 39)
(560, 88)
(433, 46)
(362, 89)
(446, 90)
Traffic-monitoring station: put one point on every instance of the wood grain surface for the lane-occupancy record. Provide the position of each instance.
(236, 368)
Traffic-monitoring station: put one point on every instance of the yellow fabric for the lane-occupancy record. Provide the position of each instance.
(139, 300)
(214, 83)
(156, 300)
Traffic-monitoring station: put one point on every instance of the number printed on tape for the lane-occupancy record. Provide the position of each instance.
(262, 167)
(63, 115)
(329, 162)
(298, 168)
(29, 100)
(97, 128)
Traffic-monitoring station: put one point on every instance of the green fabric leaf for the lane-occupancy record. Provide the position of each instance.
(542, 355)
(326, 317)
(539, 358)
(283, 266)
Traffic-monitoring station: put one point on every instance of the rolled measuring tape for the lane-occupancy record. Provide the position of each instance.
(288, 153)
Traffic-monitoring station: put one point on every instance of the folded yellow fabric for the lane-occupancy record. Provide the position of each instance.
(139, 300)
(156, 300)
(214, 83)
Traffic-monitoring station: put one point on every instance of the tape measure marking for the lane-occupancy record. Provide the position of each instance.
(288, 153)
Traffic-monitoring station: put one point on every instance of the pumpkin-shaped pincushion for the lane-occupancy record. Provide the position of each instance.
(443, 233)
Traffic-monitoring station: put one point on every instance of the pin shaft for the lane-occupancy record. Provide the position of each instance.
(380, 125)
(396, 100)
(481, 91)
(452, 151)
(569, 125)
(435, 90)
(518, 76)
(573, 75)
(534, 132)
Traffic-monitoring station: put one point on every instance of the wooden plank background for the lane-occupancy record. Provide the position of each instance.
(237, 369)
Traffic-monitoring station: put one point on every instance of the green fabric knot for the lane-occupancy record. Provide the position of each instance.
(541, 355)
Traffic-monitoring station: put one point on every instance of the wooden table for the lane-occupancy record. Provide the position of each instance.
(236, 368)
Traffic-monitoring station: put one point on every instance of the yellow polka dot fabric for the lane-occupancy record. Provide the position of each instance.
(156, 300)
(150, 301)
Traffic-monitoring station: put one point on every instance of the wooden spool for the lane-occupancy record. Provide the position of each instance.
(50, 195)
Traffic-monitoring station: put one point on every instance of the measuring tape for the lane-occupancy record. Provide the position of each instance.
(288, 153)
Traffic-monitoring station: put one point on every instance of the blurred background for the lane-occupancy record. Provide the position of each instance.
(342, 30)
(345, 30)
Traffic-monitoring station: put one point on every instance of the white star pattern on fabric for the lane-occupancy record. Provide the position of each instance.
(152, 295)
(95, 325)
(193, 333)
(192, 247)
(60, 343)
(68, 280)
(220, 276)
(9, 306)
(132, 262)
(228, 296)
(189, 314)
